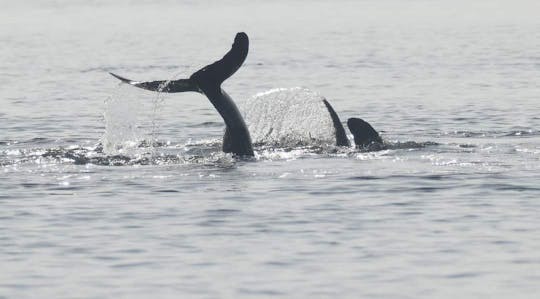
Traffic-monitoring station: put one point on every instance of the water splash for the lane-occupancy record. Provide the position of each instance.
(288, 117)
(131, 121)
(121, 123)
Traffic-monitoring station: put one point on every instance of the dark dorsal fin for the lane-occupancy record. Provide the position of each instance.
(341, 136)
(363, 132)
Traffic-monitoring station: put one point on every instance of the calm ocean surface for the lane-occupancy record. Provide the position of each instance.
(450, 210)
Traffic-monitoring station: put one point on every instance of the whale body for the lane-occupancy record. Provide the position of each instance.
(237, 139)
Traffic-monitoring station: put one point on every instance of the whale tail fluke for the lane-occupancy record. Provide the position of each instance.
(363, 132)
(209, 77)
(214, 74)
(171, 86)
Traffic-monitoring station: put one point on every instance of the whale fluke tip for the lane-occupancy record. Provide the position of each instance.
(125, 80)
(241, 35)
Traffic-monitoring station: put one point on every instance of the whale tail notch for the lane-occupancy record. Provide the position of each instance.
(208, 77)
(363, 132)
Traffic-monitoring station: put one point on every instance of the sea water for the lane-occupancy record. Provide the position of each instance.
(108, 191)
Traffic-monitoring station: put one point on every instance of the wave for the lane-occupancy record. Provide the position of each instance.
(205, 152)
(494, 134)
